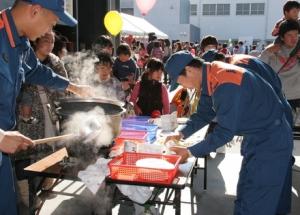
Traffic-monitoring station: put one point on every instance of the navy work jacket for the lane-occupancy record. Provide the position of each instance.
(19, 64)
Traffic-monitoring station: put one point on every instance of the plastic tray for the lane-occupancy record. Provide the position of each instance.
(139, 127)
(132, 134)
(150, 128)
(124, 168)
(138, 118)
(141, 120)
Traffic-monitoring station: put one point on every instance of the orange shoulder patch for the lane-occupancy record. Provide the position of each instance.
(220, 73)
(1, 24)
(8, 30)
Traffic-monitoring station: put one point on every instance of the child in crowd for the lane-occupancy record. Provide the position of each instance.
(109, 86)
(124, 67)
(103, 43)
(291, 12)
(208, 43)
(150, 94)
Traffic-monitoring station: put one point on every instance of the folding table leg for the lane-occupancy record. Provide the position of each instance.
(177, 201)
(32, 195)
(205, 173)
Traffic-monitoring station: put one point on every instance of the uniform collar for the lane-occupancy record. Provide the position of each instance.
(17, 40)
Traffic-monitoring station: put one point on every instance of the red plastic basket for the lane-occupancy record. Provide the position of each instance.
(124, 168)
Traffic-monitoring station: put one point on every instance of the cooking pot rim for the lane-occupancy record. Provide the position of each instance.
(87, 100)
(59, 112)
(70, 100)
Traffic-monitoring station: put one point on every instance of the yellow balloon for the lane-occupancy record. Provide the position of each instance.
(113, 22)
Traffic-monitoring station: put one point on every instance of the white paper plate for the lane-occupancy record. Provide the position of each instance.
(182, 120)
(154, 163)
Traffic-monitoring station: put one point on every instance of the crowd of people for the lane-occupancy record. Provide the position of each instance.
(142, 74)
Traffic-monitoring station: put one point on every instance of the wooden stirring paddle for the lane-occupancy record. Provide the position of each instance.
(53, 139)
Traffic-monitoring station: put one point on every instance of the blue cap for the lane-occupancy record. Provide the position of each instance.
(58, 8)
(175, 64)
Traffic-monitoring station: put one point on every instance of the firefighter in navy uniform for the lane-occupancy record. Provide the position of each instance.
(258, 67)
(262, 69)
(244, 104)
(26, 20)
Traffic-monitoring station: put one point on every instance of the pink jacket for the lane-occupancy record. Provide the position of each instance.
(165, 97)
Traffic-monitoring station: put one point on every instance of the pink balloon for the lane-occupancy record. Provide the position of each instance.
(145, 6)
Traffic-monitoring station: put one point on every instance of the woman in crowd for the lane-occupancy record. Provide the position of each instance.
(142, 56)
(41, 121)
(177, 47)
(150, 94)
(157, 51)
(285, 62)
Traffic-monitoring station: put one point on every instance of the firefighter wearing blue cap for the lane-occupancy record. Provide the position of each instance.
(26, 20)
(258, 67)
(244, 104)
(262, 69)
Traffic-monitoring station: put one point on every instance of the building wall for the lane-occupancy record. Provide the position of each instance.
(195, 20)
(234, 26)
(184, 12)
(195, 33)
(163, 12)
(168, 17)
(126, 3)
(127, 6)
(172, 17)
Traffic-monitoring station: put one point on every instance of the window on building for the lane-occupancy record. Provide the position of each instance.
(216, 9)
(127, 11)
(209, 9)
(257, 8)
(194, 9)
(223, 9)
(250, 9)
(242, 9)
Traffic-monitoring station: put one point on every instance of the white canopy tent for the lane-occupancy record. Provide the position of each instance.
(140, 27)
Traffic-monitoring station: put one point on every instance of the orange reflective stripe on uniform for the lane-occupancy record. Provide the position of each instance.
(220, 73)
(1, 21)
(8, 30)
(1, 24)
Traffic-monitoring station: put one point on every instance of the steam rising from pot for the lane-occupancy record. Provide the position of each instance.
(91, 127)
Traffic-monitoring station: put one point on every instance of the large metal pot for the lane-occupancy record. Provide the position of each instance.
(113, 109)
